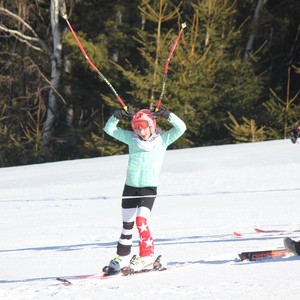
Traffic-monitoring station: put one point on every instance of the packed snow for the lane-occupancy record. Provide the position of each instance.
(63, 219)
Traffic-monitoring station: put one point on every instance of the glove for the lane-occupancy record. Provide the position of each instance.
(162, 112)
(122, 113)
(294, 135)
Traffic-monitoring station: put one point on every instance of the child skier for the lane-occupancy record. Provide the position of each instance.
(147, 146)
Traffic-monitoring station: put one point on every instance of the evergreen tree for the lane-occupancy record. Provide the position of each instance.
(161, 21)
(222, 96)
(207, 75)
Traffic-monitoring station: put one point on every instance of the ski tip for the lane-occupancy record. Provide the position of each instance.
(64, 281)
(237, 234)
(158, 258)
(258, 230)
(241, 256)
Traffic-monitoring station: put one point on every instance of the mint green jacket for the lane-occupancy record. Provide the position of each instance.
(145, 157)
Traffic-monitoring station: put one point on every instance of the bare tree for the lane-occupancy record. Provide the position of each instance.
(55, 67)
(32, 40)
(29, 40)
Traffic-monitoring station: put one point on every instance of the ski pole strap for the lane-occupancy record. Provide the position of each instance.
(92, 64)
(183, 25)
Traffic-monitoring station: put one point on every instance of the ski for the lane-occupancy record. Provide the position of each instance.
(77, 279)
(266, 233)
(264, 254)
(276, 231)
(108, 274)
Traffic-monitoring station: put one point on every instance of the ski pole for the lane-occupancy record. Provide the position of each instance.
(91, 63)
(183, 25)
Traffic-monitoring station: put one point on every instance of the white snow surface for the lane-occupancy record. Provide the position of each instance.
(63, 219)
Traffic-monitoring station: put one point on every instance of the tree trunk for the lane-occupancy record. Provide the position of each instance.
(251, 39)
(118, 19)
(55, 69)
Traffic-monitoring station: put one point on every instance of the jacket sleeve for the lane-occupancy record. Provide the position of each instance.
(174, 133)
(118, 133)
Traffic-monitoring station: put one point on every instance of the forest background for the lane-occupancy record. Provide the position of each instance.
(234, 76)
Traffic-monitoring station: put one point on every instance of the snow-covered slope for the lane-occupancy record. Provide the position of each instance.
(63, 219)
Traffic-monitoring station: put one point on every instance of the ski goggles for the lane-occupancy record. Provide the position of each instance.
(142, 124)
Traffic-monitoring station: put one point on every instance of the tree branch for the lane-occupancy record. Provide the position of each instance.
(47, 80)
(21, 36)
